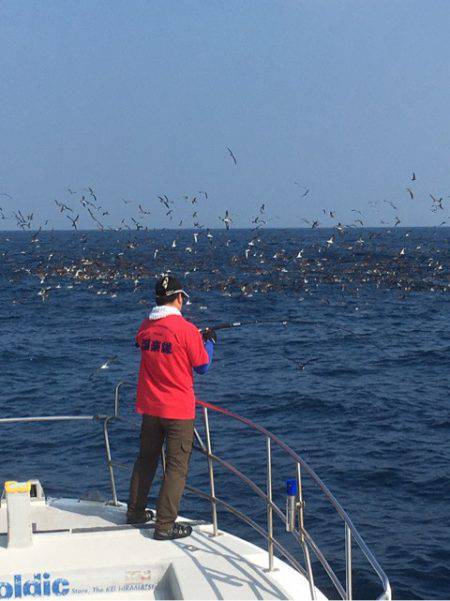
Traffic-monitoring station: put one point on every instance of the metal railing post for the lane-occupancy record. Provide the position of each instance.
(109, 462)
(348, 562)
(308, 565)
(117, 395)
(116, 399)
(211, 472)
(269, 504)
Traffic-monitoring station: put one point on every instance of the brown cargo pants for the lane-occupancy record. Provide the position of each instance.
(179, 436)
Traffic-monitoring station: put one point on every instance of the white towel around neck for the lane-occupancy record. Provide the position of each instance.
(161, 311)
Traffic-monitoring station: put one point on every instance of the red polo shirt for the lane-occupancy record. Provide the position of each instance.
(170, 348)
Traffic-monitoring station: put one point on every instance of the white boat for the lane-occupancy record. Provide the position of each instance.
(54, 547)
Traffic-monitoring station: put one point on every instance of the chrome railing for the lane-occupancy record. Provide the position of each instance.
(299, 532)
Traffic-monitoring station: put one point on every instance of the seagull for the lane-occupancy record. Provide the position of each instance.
(43, 293)
(413, 178)
(302, 364)
(104, 365)
(62, 207)
(389, 202)
(74, 221)
(232, 155)
(304, 188)
(227, 219)
(91, 192)
(438, 202)
(330, 241)
(136, 223)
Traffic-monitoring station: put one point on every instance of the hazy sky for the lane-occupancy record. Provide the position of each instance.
(139, 98)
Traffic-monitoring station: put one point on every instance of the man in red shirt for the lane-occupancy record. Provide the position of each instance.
(171, 347)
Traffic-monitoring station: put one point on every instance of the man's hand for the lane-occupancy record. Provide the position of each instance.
(209, 334)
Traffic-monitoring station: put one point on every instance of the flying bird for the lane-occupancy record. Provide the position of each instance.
(306, 190)
(227, 219)
(389, 202)
(74, 221)
(104, 365)
(62, 207)
(302, 364)
(232, 155)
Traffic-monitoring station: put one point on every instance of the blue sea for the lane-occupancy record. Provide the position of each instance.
(357, 382)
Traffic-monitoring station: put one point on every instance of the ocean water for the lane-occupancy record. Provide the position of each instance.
(368, 319)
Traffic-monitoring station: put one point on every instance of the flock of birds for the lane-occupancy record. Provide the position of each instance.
(244, 262)
(86, 201)
(125, 260)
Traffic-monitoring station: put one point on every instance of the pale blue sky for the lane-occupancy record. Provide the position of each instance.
(140, 98)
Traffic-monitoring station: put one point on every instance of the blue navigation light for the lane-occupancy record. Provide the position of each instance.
(291, 487)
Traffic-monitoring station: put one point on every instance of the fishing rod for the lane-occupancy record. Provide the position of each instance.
(256, 322)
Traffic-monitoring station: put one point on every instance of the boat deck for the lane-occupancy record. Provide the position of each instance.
(85, 548)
